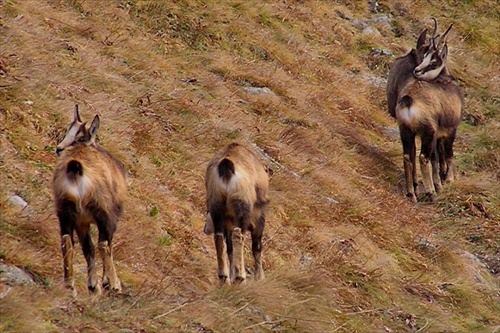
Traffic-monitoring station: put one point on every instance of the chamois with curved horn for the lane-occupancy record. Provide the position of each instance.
(403, 67)
(429, 105)
(237, 185)
(89, 187)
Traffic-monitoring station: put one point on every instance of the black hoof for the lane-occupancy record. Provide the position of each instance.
(93, 290)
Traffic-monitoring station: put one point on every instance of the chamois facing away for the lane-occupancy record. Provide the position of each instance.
(237, 185)
(89, 187)
(429, 105)
(402, 70)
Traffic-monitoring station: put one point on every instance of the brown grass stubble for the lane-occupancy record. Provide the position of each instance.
(368, 214)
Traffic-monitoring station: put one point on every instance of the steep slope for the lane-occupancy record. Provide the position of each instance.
(173, 81)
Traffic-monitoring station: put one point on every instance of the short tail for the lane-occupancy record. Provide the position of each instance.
(74, 168)
(406, 101)
(226, 169)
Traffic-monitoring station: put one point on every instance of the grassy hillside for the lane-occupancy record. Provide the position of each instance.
(174, 81)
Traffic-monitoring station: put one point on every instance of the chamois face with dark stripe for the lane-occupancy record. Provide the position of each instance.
(77, 132)
(432, 65)
(237, 185)
(89, 187)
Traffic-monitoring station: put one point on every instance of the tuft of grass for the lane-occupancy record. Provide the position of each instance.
(343, 248)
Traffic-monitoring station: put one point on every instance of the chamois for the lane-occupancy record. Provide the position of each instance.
(429, 104)
(89, 187)
(236, 192)
(403, 67)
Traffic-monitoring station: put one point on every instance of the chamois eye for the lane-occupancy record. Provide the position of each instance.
(433, 65)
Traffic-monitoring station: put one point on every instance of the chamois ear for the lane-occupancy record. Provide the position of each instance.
(94, 127)
(444, 52)
(76, 115)
(421, 39)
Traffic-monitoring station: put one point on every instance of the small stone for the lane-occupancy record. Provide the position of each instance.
(13, 275)
(18, 202)
(258, 90)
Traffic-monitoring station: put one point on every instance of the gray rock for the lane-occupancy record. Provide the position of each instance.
(13, 275)
(375, 81)
(305, 261)
(379, 20)
(258, 90)
(371, 31)
(367, 26)
(17, 202)
(425, 244)
(392, 132)
(381, 52)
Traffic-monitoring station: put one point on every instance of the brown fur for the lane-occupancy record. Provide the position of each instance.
(89, 187)
(433, 111)
(237, 185)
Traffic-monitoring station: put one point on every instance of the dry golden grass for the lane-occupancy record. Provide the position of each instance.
(344, 250)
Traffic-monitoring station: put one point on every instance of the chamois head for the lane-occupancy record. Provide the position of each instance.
(78, 132)
(434, 60)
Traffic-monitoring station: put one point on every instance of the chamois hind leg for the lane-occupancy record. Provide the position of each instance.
(409, 154)
(107, 228)
(228, 236)
(257, 247)
(242, 211)
(66, 212)
(83, 232)
(426, 152)
(435, 159)
(238, 261)
(443, 167)
(450, 173)
(220, 240)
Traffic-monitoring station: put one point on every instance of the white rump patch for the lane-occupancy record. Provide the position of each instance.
(407, 115)
(79, 188)
(232, 184)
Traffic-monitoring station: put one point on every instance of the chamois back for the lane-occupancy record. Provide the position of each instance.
(89, 187)
(236, 188)
(434, 105)
(89, 175)
(236, 174)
